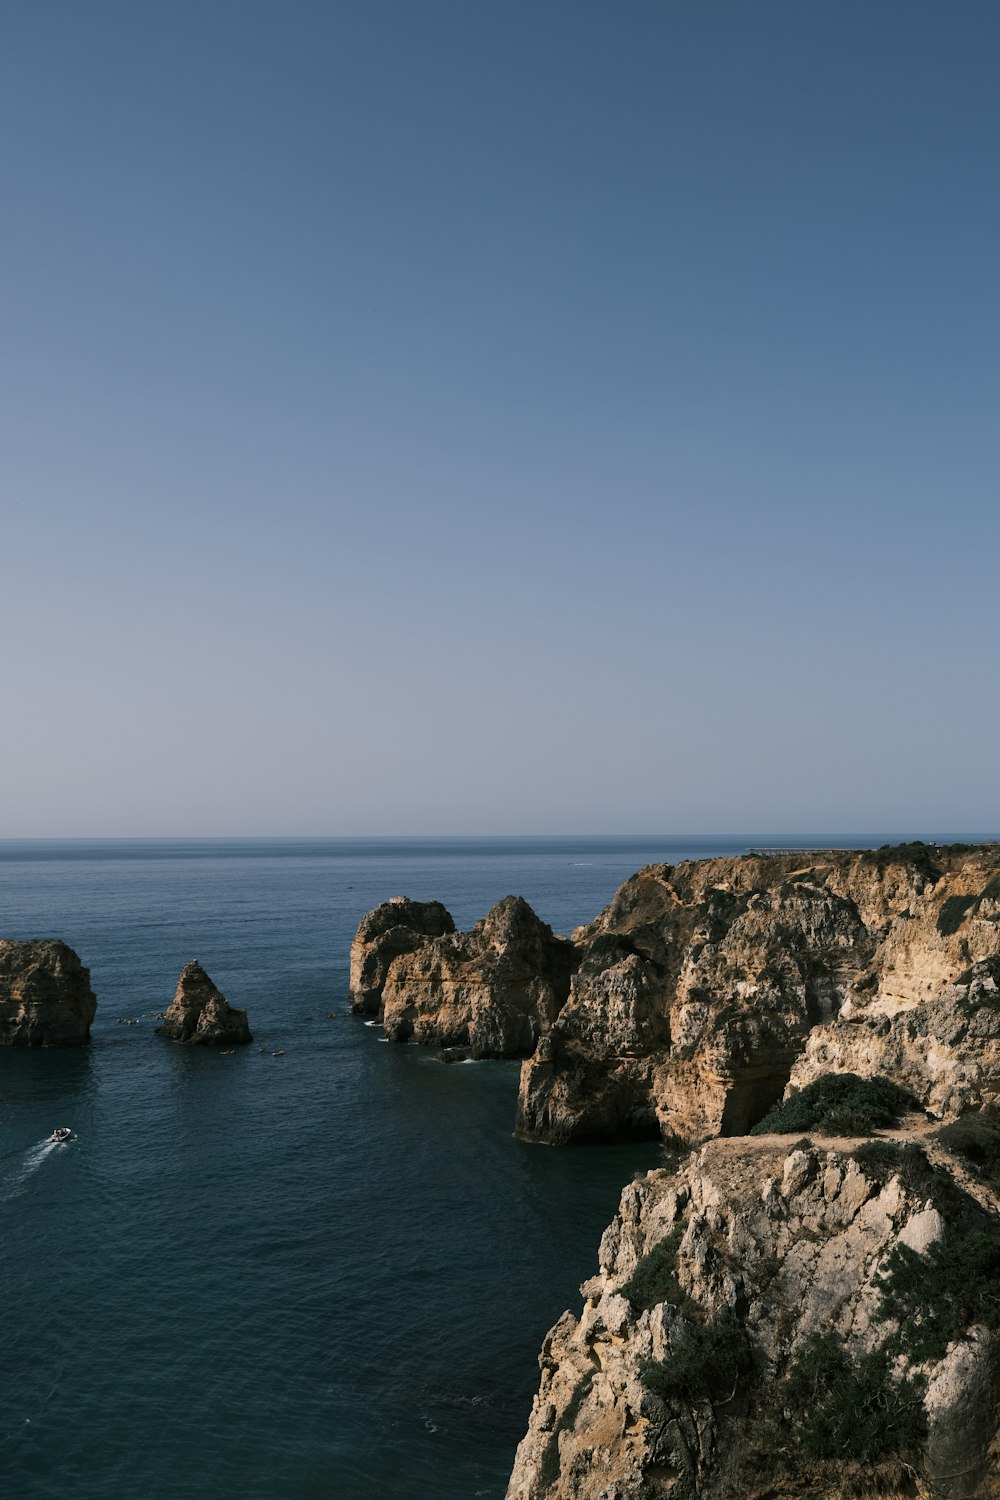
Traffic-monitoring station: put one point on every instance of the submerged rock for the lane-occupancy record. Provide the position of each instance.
(201, 1015)
(45, 995)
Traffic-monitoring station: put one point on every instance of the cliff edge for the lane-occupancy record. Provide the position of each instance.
(705, 989)
(781, 1319)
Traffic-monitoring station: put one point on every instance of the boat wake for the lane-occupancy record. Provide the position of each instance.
(33, 1158)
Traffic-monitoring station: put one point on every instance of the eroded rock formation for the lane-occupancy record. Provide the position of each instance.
(750, 1333)
(200, 1014)
(494, 989)
(691, 1002)
(397, 926)
(45, 995)
(704, 988)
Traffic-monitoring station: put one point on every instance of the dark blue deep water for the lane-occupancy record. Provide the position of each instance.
(255, 1278)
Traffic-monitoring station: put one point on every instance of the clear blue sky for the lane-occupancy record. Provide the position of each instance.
(528, 416)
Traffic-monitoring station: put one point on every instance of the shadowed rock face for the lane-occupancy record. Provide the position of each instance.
(774, 1246)
(397, 926)
(45, 995)
(201, 1015)
(493, 990)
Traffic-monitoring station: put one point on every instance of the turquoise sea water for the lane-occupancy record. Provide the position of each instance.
(255, 1278)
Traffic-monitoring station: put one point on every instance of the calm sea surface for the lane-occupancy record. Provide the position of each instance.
(255, 1278)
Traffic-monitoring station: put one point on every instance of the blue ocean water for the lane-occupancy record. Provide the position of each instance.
(254, 1278)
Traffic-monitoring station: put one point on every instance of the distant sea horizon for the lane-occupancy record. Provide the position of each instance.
(706, 844)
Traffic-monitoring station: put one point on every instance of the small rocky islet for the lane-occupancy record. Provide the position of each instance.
(201, 1016)
(805, 1301)
(46, 1001)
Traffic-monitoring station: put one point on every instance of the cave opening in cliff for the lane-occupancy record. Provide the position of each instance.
(750, 1099)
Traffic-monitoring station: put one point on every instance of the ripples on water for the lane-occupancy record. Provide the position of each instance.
(257, 1278)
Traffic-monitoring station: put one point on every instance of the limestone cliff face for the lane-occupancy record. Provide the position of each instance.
(691, 1002)
(397, 926)
(493, 989)
(200, 1014)
(762, 1355)
(45, 995)
(704, 988)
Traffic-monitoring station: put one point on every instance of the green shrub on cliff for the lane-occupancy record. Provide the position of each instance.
(839, 1104)
(975, 1140)
(654, 1279)
(705, 1363)
(850, 1410)
(938, 1296)
(882, 1160)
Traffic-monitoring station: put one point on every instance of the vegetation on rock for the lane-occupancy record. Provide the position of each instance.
(706, 1362)
(654, 1279)
(839, 1104)
(975, 1140)
(940, 1295)
(882, 1160)
(851, 1410)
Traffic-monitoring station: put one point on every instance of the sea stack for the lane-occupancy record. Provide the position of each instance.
(201, 1015)
(492, 990)
(398, 926)
(45, 995)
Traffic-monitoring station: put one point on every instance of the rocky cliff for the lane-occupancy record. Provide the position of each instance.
(494, 989)
(396, 927)
(778, 1319)
(201, 1015)
(704, 989)
(45, 995)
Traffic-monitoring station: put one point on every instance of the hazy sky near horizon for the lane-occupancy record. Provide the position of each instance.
(440, 416)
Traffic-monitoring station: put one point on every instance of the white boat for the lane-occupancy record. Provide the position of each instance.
(60, 1134)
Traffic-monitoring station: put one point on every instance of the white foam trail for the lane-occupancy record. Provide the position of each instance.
(33, 1159)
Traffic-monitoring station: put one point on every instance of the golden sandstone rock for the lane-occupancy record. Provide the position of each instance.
(45, 995)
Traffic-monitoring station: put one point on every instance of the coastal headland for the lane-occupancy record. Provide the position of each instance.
(776, 1314)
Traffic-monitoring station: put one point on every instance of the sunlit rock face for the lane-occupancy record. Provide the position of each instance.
(397, 926)
(200, 1014)
(704, 990)
(494, 989)
(45, 995)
